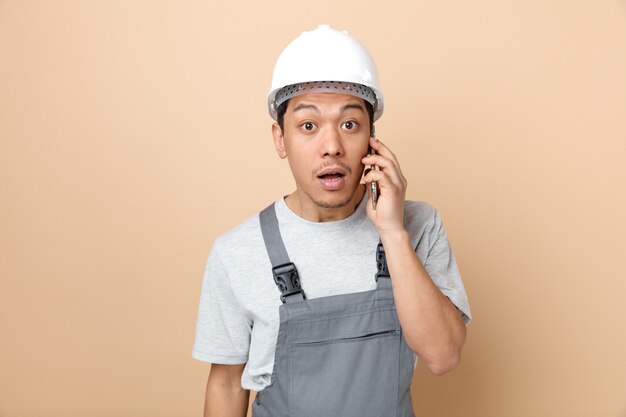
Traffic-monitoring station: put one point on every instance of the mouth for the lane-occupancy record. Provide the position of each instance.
(332, 178)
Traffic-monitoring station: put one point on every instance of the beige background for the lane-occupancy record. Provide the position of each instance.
(132, 133)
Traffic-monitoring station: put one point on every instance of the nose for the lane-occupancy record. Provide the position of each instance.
(331, 143)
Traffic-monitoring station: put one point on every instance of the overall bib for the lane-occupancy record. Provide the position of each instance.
(336, 356)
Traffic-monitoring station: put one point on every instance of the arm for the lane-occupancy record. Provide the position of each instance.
(432, 326)
(224, 395)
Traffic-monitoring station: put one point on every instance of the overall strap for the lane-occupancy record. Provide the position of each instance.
(284, 271)
(381, 266)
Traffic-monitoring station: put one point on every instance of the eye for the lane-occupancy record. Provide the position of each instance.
(308, 126)
(349, 125)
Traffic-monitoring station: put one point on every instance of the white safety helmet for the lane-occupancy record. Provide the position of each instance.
(328, 60)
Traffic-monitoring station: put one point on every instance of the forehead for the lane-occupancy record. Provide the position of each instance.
(326, 101)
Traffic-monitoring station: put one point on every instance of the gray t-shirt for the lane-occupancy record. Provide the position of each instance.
(238, 315)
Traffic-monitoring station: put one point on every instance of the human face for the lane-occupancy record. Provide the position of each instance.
(324, 138)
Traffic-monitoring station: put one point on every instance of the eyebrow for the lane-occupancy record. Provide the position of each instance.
(348, 106)
(303, 106)
(352, 106)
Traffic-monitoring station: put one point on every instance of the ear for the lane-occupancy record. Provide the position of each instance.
(279, 141)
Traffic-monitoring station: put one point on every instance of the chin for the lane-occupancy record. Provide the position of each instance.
(333, 201)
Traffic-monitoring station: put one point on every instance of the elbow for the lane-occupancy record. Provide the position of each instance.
(444, 365)
(442, 354)
(441, 361)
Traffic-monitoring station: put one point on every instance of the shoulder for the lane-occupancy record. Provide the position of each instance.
(420, 213)
(243, 239)
(423, 222)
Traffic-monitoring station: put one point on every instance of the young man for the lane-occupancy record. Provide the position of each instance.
(322, 302)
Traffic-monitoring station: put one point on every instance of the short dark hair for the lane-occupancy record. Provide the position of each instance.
(280, 115)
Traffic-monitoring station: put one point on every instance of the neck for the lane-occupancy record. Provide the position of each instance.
(303, 206)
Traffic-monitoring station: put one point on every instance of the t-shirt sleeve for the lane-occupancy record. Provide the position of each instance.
(443, 270)
(222, 329)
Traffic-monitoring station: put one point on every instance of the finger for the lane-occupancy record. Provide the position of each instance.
(385, 165)
(384, 151)
(379, 160)
(384, 181)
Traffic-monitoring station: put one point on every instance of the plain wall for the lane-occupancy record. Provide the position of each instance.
(133, 133)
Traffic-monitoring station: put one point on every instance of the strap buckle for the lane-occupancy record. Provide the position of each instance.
(381, 263)
(287, 280)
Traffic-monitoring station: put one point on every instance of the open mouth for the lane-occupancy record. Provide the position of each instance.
(332, 178)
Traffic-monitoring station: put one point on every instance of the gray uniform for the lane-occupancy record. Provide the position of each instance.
(341, 355)
(238, 320)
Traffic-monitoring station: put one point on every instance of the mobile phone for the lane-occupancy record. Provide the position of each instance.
(373, 184)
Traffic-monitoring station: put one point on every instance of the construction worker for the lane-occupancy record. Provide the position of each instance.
(323, 302)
